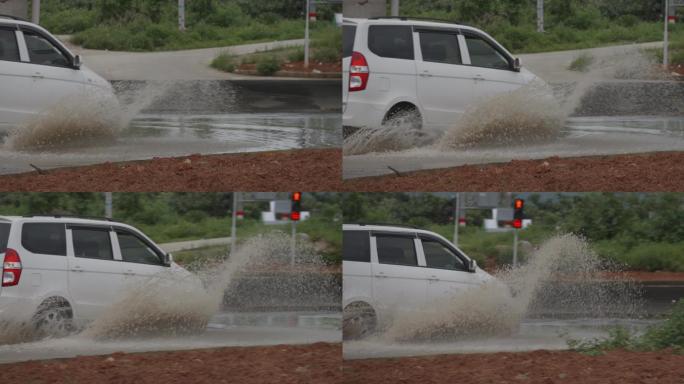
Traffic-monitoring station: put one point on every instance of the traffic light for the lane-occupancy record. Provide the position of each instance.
(295, 213)
(518, 205)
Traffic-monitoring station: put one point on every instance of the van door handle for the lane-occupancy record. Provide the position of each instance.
(478, 77)
(380, 274)
(76, 269)
(433, 278)
(425, 74)
(38, 75)
(129, 273)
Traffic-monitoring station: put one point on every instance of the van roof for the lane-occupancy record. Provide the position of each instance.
(385, 227)
(62, 219)
(410, 20)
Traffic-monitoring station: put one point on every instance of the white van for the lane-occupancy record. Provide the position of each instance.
(37, 71)
(390, 270)
(62, 272)
(424, 73)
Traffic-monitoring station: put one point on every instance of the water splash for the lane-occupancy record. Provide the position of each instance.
(562, 277)
(527, 115)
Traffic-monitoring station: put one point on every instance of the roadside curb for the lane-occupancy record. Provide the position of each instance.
(310, 75)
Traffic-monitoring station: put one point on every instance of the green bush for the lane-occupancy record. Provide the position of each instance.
(224, 62)
(296, 55)
(327, 54)
(268, 65)
(69, 21)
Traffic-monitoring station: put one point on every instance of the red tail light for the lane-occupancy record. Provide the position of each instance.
(11, 268)
(358, 72)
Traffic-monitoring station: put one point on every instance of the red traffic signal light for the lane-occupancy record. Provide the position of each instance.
(295, 212)
(518, 205)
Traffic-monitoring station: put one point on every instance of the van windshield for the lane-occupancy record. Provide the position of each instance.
(4, 236)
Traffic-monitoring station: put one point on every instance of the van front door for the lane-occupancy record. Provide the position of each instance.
(55, 81)
(447, 271)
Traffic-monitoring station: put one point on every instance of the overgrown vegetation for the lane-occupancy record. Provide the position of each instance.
(581, 63)
(325, 47)
(667, 335)
(168, 217)
(640, 231)
(569, 24)
(148, 25)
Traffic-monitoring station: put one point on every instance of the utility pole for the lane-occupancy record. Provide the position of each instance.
(515, 247)
(395, 8)
(666, 38)
(181, 15)
(306, 35)
(293, 246)
(108, 205)
(540, 15)
(457, 215)
(35, 12)
(233, 222)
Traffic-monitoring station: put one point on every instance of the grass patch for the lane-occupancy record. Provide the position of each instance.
(667, 335)
(581, 63)
(140, 34)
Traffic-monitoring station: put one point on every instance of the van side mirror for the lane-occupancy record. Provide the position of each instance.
(516, 64)
(168, 259)
(472, 266)
(77, 62)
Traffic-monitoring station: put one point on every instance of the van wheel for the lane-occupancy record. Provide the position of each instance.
(403, 115)
(359, 321)
(54, 317)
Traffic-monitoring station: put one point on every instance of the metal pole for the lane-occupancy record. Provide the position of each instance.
(515, 248)
(395, 8)
(35, 12)
(108, 205)
(306, 36)
(457, 215)
(233, 223)
(181, 15)
(540, 15)
(293, 250)
(666, 39)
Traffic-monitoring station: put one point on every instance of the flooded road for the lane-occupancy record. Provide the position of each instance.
(224, 330)
(198, 117)
(532, 335)
(581, 136)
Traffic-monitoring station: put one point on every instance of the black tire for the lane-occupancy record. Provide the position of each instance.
(404, 115)
(359, 321)
(54, 318)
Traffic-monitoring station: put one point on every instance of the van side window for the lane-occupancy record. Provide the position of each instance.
(44, 238)
(42, 51)
(483, 54)
(356, 246)
(438, 255)
(135, 250)
(396, 250)
(440, 47)
(348, 37)
(9, 50)
(92, 243)
(4, 236)
(391, 41)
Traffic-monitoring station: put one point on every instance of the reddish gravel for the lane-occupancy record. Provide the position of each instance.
(305, 169)
(657, 172)
(282, 364)
(538, 367)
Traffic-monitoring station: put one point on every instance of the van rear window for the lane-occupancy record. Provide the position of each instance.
(4, 236)
(44, 238)
(348, 36)
(391, 41)
(356, 246)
